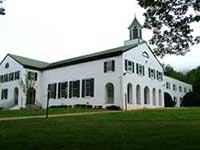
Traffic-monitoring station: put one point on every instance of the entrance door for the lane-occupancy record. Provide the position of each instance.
(30, 96)
(16, 96)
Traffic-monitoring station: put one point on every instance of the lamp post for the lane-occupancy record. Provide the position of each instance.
(125, 102)
(48, 96)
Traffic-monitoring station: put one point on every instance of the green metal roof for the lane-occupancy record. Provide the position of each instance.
(91, 57)
(29, 63)
(135, 23)
(40, 65)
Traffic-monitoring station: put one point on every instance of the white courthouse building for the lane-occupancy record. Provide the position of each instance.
(129, 76)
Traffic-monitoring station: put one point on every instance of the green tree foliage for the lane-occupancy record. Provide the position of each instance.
(191, 99)
(169, 102)
(193, 77)
(169, 71)
(2, 10)
(170, 21)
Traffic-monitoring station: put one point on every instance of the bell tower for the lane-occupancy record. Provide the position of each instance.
(135, 33)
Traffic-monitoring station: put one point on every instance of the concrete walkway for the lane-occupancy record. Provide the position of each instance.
(56, 115)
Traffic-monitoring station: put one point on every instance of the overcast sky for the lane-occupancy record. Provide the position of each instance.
(52, 30)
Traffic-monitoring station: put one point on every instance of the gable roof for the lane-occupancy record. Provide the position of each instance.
(91, 57)
(29, 63)
(40, 65)
(135, 23)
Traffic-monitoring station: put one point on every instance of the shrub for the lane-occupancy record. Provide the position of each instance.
(168, 100)
(89, 106)
(98, 107)
(191, 99)
(113, 107)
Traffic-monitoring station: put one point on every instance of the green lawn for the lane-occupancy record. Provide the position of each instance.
(177, 129)
(18, 113)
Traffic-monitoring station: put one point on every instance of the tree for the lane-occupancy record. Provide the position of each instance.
(171, 22)
(2, 10)
(169, 71)
(169, 102)
(191, 99)
(193, 77)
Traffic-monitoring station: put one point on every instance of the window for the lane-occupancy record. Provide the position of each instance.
(52, 90)
(32, 76)
(88, 87)
(4, 94)
(74, 89)
(145, 54)
(129, 66)
(11, 76)
(5, 77)
(17, 75)
(159, 76)
(185, 89)
(1, 79)
(63, 90)
(7, 65)
(140, 69)
(109, 66)
(180, 89)
(135, 33)
(152, 73)
(174, 87)
(168, 85)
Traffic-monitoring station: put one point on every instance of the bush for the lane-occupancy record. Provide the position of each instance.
(191, 99)
(168, 100)
(113, 107)
(60, 106)
(98, 107)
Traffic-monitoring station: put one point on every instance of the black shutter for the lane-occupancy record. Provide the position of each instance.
(66, 89)
(83, 88)
(55, 90)
(133, 67)
(105, 66)
(143, 70)
(137, 71)
(59, 89)
(157, 74)
(78, 84)
(126, 63)
(149, 72)
(70, 89)
(92, 87)
(35, 76)
(113, 65)
(161, 77)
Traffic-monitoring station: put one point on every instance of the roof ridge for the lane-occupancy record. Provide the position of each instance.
(28, 58)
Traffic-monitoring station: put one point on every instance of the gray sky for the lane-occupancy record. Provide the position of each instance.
(52, 30)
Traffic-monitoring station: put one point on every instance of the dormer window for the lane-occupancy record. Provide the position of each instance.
(145, 54)
(7, 65)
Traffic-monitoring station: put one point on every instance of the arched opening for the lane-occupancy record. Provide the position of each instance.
(169, 102)
(30, 99)
(146, 95)
(154, 97)
(16, 96)
(160, 97)
(138, 94)
(109, 93)
(130, 93)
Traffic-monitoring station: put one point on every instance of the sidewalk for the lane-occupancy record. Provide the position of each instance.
(55, 116)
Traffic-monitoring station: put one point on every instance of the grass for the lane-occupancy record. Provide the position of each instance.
(177, 129)
(36, 112)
